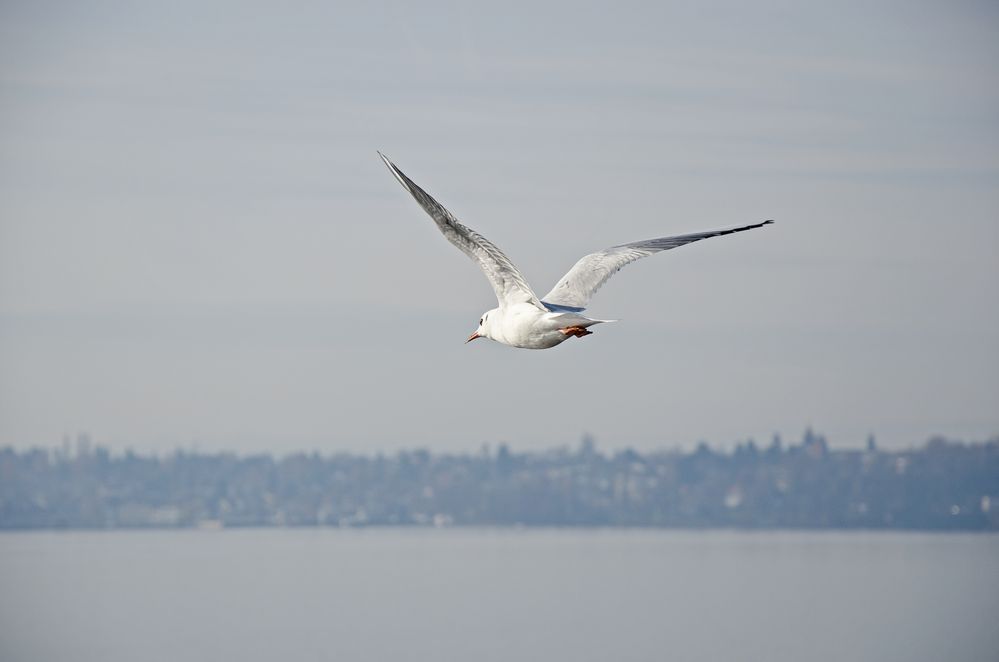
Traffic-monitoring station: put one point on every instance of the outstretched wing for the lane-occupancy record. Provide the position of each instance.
(507, 281)
(575, 289)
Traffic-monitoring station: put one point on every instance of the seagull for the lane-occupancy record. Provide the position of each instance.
(522, 319)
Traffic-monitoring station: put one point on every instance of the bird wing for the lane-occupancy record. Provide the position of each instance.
(575, 289)
(507, 281)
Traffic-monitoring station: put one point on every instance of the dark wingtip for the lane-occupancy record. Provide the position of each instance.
(397, 173)
(768, 222)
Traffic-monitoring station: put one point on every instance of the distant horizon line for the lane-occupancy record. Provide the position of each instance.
(83, 445)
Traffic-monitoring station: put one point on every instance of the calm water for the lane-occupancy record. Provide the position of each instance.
(280, 594)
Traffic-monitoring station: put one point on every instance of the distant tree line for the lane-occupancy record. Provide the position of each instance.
(943, 485)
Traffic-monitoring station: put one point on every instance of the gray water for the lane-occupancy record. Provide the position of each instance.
(481, 594)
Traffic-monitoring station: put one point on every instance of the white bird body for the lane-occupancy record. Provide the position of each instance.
(522, 319)
(526, 326)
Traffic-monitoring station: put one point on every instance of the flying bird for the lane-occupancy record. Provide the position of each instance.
(522, 319)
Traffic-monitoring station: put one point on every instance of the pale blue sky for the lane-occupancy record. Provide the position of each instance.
(199, 245)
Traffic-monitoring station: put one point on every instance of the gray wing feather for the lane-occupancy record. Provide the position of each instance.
(507, 281)
(576, 288)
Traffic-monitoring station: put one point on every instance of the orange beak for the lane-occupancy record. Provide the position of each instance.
(472, 337)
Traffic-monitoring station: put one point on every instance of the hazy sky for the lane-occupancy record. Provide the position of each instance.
(200, 246)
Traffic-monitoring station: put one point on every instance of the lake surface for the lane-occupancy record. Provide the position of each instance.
(497, 594)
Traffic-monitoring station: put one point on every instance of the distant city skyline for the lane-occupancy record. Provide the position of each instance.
(74, 444)
(199, 247)
(943, 485)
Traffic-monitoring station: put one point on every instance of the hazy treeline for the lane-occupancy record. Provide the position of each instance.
(942, 485)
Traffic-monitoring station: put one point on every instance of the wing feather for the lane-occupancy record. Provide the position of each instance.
(507, 281)
(576, 288)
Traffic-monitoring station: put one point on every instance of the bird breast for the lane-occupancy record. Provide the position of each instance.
(523, 325)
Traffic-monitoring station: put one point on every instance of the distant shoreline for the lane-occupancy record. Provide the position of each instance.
(943, 486)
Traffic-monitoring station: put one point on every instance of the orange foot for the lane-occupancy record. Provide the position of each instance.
(577, 331)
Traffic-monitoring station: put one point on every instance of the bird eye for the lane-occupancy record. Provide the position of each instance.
(480, 321)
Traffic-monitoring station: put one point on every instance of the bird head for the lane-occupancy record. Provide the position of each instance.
(484, 327)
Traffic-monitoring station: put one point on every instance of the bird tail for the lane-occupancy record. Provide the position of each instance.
(591, 322)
